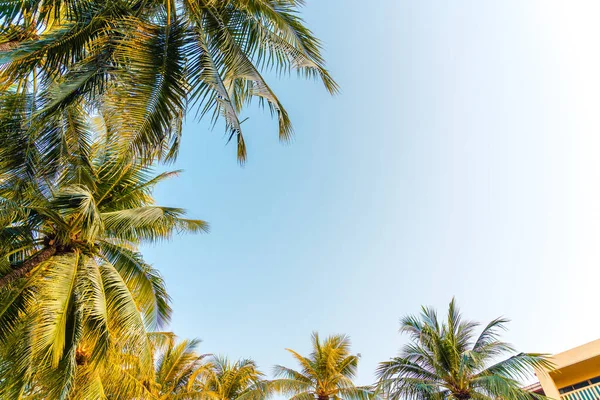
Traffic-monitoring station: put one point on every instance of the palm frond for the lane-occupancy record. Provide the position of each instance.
(442, 361)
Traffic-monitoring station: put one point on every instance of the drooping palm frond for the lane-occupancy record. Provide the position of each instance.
(446, 360)
(143, 63)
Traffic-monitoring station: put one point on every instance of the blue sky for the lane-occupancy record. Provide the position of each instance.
(460, 159)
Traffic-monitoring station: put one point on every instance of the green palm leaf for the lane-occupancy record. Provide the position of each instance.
(446, 360)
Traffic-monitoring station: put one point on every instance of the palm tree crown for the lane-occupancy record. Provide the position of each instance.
(72, 281)
(327, 373)
(179, 372)
(141, 63)
(222, 379)
(170, 376)
(446, 360)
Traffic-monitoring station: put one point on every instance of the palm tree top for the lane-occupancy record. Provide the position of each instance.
(327, 372)
(72, 279)
(224, 379)
(175, 364)
(447, 359)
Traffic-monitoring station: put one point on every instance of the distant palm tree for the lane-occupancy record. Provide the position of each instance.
(445, 360)
(326, 374)
(180, 373)
(222, 379)
(72, 280)
(143, 63)
(170, 376)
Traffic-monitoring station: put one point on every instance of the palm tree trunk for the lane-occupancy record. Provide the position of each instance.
(28, 265)
(322, 397)
(462, 396)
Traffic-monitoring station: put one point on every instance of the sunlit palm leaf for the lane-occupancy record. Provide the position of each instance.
(327, 373)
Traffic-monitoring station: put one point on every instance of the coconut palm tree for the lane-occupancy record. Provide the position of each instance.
(72, 280)
(128, 375)
(175, 366)
(222, 379)
(326, 374)
(446, 360)
(181, 373)
(143, 62)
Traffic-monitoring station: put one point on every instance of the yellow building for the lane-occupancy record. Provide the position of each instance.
(575, 376)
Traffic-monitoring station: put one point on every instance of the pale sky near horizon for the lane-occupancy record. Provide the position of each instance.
(461, 159)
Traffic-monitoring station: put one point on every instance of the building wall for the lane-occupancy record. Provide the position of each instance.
(571, 367)
(573, 374)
